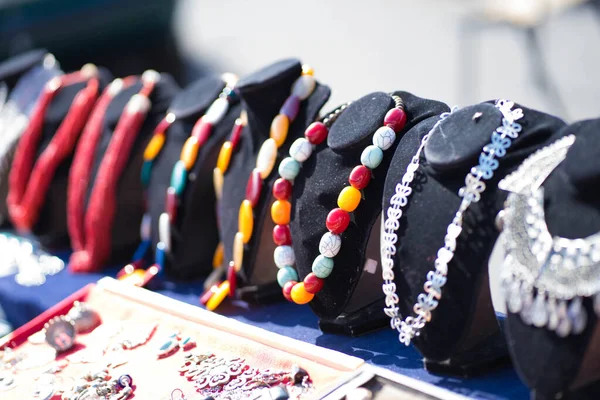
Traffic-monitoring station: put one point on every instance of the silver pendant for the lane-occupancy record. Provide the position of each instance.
(60, 333)
(84, 317)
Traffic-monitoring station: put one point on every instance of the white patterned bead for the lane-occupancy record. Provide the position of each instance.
(304, 86)
(384, 137)
(330, 245)
(371, 157)
(322, 266)
(265, 160)
(301, 149)
(284, 256)
(216, 111)
(164, 231)
(289, 168)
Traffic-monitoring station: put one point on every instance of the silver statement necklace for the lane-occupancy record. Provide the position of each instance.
(428, 301)
(545, 277)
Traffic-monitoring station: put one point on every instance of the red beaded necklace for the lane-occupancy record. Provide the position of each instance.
(97, 225)
(29, 179)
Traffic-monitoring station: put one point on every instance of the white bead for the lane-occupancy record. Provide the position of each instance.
(301, 149)
(384, 137)
(89, 70)
(265, 160)
(164, 231)
(216, 111)
(150, 75)
(146, 227)
(115, 87)
(284, 255)
(304, 86)
(330, 245)
(138, 104)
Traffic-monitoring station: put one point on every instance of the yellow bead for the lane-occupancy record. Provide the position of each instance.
(238, 251)
(265, 160)
(189, 152)
(154, 147)
(219, 255)
(136, 277)
(307, 70)
(246, 221)
(224, 156)
(281, 211)
(218, 297)
(279, 129)
(349, 198)
(218, 183)
(300, 295)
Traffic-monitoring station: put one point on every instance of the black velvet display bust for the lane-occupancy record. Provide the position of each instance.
(194, 235)
(125, 233)
(51, 226)
(348, 291)
(554, 367)
(262, 94)
(12, 69)
(463, 336)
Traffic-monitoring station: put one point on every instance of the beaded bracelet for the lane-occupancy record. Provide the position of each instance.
(338, 219)
(101, 209)
(471, 193)
(189, 153)
(29, 179)
(265, 162)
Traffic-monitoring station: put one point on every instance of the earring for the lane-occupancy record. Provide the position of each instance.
(174, 342)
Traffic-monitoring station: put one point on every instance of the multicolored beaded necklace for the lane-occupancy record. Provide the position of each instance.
(338, 219)
(29, 179)
(201, 132)
(265, 162)
(96, 226)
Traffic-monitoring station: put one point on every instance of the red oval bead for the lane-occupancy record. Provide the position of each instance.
(201, 131)
(360, 177)
(282, 189)
(313, 284)
(337, 220)
(236, 133)
(171, 204)
(282, 235)
(232, 279)
(395, 119)
(316, 132)
(254, 187)
(287, 290)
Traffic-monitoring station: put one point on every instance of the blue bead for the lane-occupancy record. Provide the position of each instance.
(286, 274)
(159, 257)
(289, 168)
(146, 173)
(371, 157)
(142, 249)
(179, 177)
(322, 266)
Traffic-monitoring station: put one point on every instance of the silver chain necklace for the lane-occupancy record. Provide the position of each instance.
(545, 277)
(428, 301)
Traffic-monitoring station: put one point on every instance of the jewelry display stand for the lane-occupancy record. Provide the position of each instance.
(351, 299)
(262, 94)
(136, 311)
(463, 337)
(194, 236)
(554, 366)
(128, 197)
(13, 68)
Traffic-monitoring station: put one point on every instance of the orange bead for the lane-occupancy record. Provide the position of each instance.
(238, 251)
(154, 146)
(219, 256)
(349, 199)
(218, 297)
(299, 294)
(307, 70)
(279, 129)
(281, 211)
(224, 156)
(245, 221)
(189, 152)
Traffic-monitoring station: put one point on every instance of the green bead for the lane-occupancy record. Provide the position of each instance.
(146, 173)
(371, 157)
(286, 274)
(322, 266)
(179, 177)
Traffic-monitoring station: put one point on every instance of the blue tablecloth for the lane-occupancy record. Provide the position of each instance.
(382, 349)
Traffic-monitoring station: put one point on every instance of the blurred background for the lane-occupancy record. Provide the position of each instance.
(541, 53)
